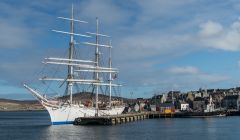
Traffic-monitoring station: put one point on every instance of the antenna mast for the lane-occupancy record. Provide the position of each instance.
(110, 75)
(97, 65)
(70, 67)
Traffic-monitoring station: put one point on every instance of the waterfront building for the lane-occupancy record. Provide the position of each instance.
(199, 104)
(210, 106)
(197, 94)
(166, 108)
(184, 106)
(163, 99)
(232, 102)
(153, 107)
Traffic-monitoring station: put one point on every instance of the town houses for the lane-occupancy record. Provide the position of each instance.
(202, 100)
(207, 100)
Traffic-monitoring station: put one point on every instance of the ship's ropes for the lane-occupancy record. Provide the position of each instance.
(49, 85)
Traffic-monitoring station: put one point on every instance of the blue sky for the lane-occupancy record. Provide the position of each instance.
(158, 44)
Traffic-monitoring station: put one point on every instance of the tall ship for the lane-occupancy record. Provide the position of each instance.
(65, 111)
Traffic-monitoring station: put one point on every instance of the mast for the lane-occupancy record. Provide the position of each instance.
(110, 75)
(84, 65)
(70, 67)
(97, 65)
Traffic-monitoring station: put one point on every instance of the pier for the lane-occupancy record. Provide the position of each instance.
(120, 119)
(132, 117)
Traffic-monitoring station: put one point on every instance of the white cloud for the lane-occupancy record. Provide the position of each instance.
(212, 78)
(210, 28)
(107, 11)
(150, 11)
(184, 70)
(152, 44)
(213, 35)
(187, 77)
(20, 25)
(13, 36)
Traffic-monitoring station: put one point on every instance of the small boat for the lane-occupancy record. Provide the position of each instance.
(221, 115)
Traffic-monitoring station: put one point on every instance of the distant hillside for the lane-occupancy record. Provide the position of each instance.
(12, 105)
(19, 101)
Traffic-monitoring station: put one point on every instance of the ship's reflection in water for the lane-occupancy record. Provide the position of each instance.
(35, 125)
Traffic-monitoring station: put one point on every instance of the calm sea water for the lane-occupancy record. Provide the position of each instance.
(35, 125)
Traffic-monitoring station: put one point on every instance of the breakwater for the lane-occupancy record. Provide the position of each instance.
(131, 117)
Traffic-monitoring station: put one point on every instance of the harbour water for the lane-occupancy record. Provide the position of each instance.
(35, 125)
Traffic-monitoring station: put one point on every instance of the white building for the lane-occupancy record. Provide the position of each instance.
(184, 106)
(210, 106)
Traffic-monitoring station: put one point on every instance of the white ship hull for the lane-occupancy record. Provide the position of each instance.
(67, 114)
